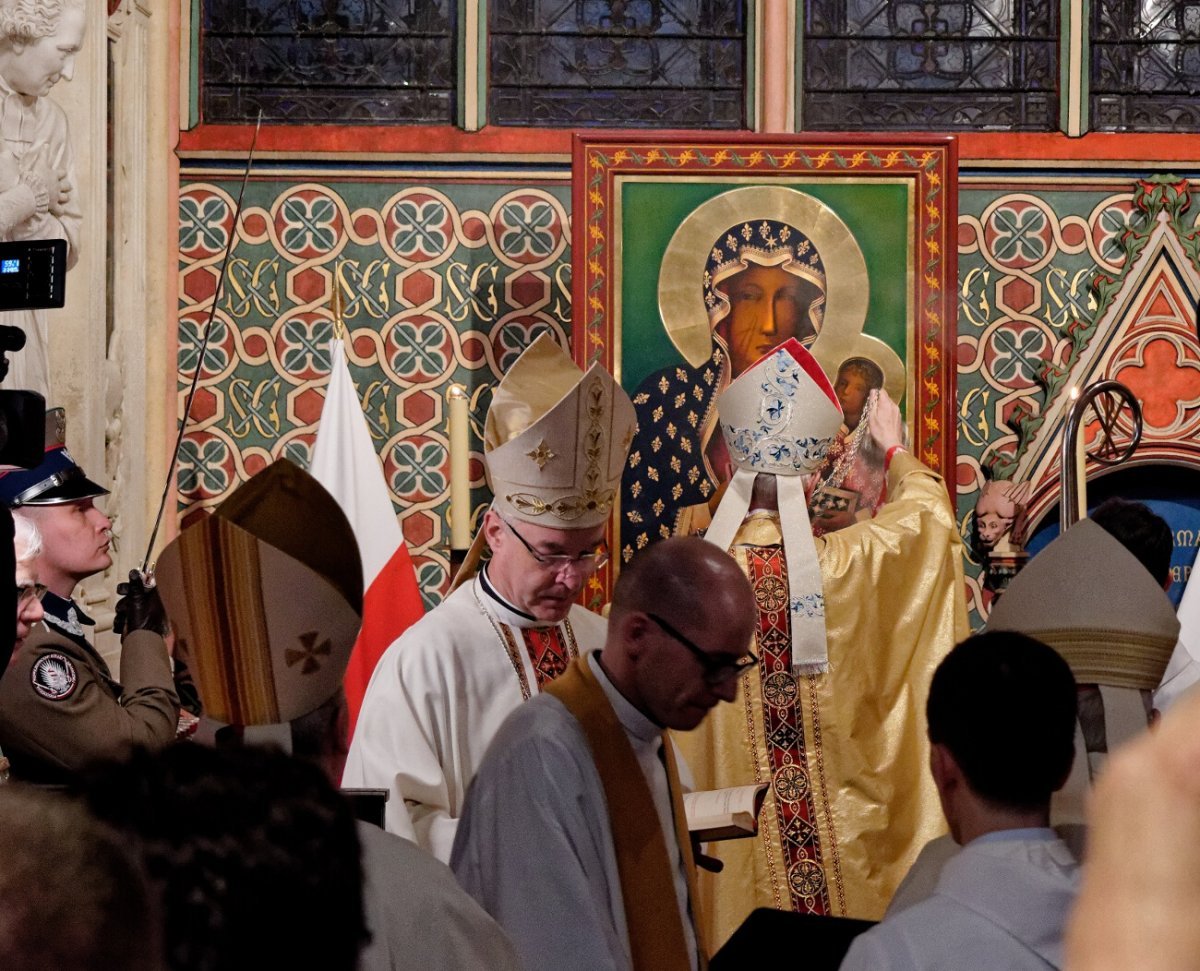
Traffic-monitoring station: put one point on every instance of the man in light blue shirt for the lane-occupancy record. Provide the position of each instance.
(1001, 717)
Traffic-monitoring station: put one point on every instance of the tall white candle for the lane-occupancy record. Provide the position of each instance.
(460, 468)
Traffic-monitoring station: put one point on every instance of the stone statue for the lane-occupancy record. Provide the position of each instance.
(998, 536)
(38, 200)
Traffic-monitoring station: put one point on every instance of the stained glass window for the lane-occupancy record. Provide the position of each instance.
(621, 63)
(328, 61)
(1145, 59)
(874, 64)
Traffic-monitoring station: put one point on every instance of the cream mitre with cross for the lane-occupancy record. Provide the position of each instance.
(779, 418)
(556, 439)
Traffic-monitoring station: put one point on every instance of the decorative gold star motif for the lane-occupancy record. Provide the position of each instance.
(542, 454)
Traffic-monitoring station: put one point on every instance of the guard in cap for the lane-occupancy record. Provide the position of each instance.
(59, 704)
(555, 444)
(58, 494)
(851, 625)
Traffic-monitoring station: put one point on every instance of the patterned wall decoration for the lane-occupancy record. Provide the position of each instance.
(448, 283)
(1062, 283)
(441, 283)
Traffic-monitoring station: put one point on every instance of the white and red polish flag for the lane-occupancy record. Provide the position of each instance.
(345, 462)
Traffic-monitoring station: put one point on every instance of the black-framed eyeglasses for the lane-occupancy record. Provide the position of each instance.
(716, 669)
(28, 592)
(587, 562)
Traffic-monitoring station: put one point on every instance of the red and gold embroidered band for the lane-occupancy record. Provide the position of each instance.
(784, 735)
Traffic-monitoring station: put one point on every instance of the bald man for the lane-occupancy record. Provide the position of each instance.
(571, 884)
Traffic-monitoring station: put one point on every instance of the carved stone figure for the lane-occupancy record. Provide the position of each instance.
(38, 43)
(998, 537)
(998, 509)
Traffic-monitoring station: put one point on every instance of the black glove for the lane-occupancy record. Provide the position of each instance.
(139, 608)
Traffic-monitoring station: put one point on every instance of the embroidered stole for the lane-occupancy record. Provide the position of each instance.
(656, 935)
(791, 782)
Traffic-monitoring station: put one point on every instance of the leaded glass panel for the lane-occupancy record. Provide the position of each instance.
(989, 64)
(1145, 60)
(328, 61)
(622, 63)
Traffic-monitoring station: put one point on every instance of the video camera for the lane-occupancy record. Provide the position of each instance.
(33, 276)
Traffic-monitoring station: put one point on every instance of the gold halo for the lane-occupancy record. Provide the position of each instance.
(681, 277)
(831, 353)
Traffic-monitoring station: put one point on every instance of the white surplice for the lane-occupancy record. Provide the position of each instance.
(1001, 902)
(535, 847)
(437, 698)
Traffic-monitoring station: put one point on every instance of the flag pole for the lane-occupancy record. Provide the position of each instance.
(212, 312)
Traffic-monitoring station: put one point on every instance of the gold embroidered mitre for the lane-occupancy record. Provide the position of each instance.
(556, 439)
(266, 598)
(780, 417)
(1091, 600)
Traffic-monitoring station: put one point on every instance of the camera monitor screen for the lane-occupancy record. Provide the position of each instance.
(33, 274)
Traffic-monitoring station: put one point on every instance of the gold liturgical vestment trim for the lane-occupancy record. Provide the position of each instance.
(656, 936)
(894, 607)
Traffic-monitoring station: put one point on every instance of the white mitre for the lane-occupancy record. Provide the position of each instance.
(555, 440)
(780, 417)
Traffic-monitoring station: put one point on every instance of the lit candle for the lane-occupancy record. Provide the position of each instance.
(460, 469)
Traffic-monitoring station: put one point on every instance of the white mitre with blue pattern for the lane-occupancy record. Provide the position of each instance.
(780, 417)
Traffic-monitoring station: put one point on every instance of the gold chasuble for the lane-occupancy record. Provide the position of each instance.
(851, 801)
(652, 915)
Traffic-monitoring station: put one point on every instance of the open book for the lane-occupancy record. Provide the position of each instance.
(724, 814)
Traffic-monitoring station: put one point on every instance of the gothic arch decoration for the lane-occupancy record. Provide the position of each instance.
(1143, 333)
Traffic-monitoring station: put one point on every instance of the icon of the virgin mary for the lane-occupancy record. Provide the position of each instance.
(776, 264)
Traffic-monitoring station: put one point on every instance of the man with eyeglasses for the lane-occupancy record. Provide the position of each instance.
(851, 625)
(60, 706)
(573, 835)
(554, 444)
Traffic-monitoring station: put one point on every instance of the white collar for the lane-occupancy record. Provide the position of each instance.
(633, 721)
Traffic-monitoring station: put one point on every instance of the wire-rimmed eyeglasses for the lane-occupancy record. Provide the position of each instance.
(586, 562)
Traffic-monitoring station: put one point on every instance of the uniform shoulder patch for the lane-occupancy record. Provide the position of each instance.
(54, 677)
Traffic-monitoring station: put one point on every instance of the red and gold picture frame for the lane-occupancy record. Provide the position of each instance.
(865, 226)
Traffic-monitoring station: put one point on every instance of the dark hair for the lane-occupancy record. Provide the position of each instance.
(255, 853)
(72, 894)
(871, 372)
(1145, 534)
(1004, 705)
